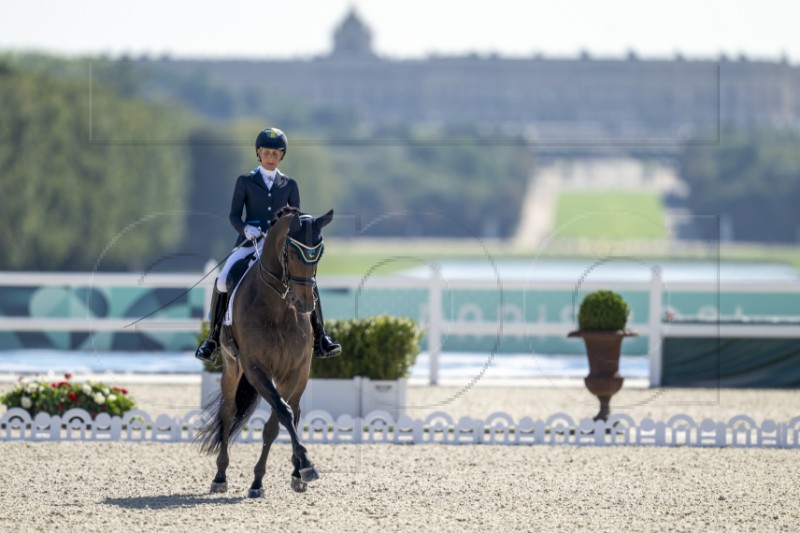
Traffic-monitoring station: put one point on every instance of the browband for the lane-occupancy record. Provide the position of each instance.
(309, 254)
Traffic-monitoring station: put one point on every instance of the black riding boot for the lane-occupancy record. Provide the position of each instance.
(219, 303)
(324, 345)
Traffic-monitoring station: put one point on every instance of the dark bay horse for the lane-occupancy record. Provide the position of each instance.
(274, 341)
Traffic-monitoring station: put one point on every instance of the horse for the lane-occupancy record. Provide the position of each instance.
(267, 350)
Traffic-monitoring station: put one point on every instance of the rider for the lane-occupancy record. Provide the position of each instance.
(261, 193)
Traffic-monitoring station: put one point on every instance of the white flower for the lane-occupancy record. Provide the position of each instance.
(111, 398)
(106, 391)
(86, 389)
(99, 399)
(25, 402)
(30, 388)
(40, 389)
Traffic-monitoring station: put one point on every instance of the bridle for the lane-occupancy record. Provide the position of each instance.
(310, 255)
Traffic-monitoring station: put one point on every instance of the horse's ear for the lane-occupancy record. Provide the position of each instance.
(324, 220)
(295, 224)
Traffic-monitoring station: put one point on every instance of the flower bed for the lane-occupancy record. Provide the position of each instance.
(37, 396)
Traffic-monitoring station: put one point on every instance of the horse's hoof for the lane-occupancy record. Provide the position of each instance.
(298, 485)
(219, 487)
(309, 474)
(255, 493)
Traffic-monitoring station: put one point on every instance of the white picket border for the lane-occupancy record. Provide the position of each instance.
(499, 428)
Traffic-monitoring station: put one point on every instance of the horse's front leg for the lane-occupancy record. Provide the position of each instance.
(267, 389)
(298, 485)
(270, 432)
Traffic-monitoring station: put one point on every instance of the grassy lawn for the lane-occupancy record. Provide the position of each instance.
(608, 215)
(589, 224)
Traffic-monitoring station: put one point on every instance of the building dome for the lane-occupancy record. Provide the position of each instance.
(352, 38)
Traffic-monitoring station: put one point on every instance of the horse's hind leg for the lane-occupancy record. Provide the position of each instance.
(227, 412)
(270, 432)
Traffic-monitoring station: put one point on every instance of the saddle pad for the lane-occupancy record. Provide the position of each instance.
(228, 319)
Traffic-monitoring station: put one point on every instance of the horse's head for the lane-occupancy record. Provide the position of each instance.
(301, 252)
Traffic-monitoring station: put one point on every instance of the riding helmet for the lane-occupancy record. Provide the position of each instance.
(272, 138)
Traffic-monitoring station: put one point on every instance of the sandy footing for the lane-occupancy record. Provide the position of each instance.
(165, 487)
(74, 486)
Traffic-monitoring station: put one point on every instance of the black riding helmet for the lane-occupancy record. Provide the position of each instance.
(272, 138)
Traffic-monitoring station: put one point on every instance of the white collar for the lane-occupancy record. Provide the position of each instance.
(268, 174)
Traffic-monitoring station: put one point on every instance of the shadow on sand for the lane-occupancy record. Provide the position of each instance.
(170, 501)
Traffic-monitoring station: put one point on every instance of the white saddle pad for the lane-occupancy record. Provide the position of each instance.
(228, 319)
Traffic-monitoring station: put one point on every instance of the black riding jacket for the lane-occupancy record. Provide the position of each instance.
(261, 204)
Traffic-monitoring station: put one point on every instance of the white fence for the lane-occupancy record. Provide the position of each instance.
(436, 327)
(437, 428)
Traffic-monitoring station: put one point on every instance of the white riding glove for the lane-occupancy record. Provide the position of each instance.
(251, 232)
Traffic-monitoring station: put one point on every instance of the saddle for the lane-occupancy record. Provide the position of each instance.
(237, 272)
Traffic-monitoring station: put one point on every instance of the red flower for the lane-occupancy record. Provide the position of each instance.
(121, 390)
(54, 385)
(72, 396)
(68, 375)
(60, 407)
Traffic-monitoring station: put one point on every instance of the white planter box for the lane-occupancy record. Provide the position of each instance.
(389, 396)
(336, 396)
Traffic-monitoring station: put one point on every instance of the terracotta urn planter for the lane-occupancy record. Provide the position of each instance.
(603, 349)
(601, 323)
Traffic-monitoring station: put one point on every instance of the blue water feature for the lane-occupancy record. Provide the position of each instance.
(608, 269)
(452, 365)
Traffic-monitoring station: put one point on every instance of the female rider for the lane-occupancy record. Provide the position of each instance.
(261, 193)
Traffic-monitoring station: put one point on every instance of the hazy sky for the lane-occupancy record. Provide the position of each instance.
(407, 29)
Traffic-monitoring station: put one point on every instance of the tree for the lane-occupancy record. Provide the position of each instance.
(93, 179)
(752, 179)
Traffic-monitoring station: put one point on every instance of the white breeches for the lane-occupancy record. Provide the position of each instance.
(235, 256)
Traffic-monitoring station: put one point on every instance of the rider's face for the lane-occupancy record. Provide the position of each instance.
(270, 158)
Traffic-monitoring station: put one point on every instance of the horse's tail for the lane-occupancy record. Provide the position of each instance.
(210, 435)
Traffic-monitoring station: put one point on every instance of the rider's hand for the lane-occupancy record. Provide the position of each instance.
(251, 232)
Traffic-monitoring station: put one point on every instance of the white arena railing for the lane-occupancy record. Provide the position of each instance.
(378, 427)
(436, 327)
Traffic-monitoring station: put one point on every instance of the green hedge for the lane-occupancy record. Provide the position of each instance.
(380, 347)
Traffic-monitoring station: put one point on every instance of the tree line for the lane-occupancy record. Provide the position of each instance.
(749, 182)
(107, 166)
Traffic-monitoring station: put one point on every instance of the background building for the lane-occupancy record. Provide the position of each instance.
(552, 101)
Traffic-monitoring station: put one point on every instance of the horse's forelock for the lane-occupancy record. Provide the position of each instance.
(308, 234)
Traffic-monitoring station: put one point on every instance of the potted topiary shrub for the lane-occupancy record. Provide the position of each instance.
(602, 318)
(377, 355)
